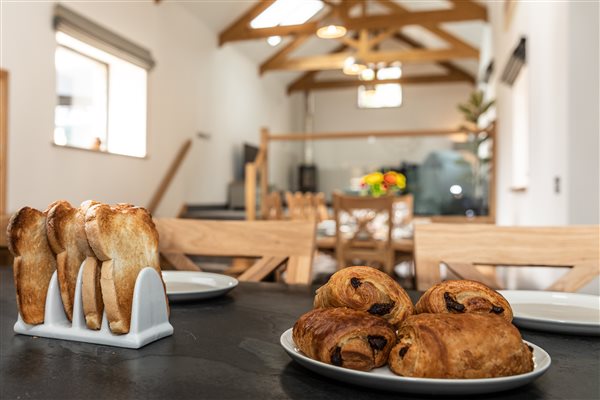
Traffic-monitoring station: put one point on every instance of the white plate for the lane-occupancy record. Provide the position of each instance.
(384, 379)
(190, 285)
(555, 311)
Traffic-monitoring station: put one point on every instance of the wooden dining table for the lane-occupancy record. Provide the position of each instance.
(228, 348)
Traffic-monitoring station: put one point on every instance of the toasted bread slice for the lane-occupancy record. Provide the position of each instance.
(125, 239)
(34, 262)
(91, 293)
(65, 227)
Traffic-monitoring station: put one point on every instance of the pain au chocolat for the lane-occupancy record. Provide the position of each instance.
(464, 296)
(366, 289)
(344, 337)
(459, 346)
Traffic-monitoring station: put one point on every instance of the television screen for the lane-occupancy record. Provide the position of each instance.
(250, 153)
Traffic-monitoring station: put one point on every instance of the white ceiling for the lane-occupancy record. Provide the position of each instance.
(218, 15)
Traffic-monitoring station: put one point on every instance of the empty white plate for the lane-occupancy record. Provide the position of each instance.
(384, 379)
(191, 285)
(555, 311)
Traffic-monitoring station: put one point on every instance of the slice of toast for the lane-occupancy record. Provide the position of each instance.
(125, 239)
(91, 292)
(65, 227)
(34, 262)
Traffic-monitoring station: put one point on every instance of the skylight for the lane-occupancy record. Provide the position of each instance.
(287, 12)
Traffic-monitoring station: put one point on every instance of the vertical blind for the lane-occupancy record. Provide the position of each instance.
(81, 28)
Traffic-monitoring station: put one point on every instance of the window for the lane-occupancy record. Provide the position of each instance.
(81, 115)
(101, 88)
(286, 12)
(384, 94)
(380, 96)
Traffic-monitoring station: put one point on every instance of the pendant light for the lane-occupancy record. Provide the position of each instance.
(331, 28)
(353, 66)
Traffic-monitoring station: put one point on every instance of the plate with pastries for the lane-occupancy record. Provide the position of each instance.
(458, 338)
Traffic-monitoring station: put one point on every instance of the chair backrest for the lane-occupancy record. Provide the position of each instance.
(273, 208)
(369, 240)
(408, 204)
(273, 241)
(351, 204)
(3, 225)
(306, 206)
(463, 247)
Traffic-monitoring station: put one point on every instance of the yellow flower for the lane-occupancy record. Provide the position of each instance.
(374, 178)
(401, 181)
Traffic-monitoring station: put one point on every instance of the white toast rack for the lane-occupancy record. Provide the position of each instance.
(149, 316)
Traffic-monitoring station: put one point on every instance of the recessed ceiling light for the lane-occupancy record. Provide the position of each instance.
(274, 40)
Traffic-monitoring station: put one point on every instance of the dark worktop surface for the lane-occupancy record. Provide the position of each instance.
(228, 348)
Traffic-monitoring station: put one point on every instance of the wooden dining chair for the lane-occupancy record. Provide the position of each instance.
(470, 250)
(3, 225)
(273, 209)
(407, 202)
(276, 243)
(306, 206)
(362, 243)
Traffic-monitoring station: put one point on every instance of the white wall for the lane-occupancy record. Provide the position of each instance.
(195, 86)
(562, 70)
(583, 107)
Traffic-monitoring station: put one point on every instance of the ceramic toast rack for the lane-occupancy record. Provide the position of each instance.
(149, 316)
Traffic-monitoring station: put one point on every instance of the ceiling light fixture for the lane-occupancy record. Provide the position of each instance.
(353, 66)
(331, 27)
(331, 31)
(367, 74)
(274, 40)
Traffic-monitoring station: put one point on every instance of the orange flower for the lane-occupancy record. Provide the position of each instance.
(390, 178)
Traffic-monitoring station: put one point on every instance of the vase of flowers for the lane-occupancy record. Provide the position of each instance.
(380, 184)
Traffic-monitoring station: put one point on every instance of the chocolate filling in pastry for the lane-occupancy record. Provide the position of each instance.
(355, 282)
(381, 308)
(403, 351)
(452, 304)
(336, 357)
(377, 342)
(497, 310)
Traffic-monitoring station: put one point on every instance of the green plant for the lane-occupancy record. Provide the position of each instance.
(475, 107)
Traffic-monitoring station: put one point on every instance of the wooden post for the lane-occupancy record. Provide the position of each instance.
(250, 191)
(264, 171)
(493, 171)
(168, 178)
(3, 140)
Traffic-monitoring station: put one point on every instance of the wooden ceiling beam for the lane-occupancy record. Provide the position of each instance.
(241, 31)
(441, 33)
(241, 24)
(452, 40)
(349, 83)
(310, 75)
(282, 54)
(336, 60)
(445, 64)
(470, 5)
(302, 82)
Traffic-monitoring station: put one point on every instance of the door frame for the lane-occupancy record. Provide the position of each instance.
(3, 139)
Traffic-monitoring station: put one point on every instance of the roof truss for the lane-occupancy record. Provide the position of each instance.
(370, 32)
